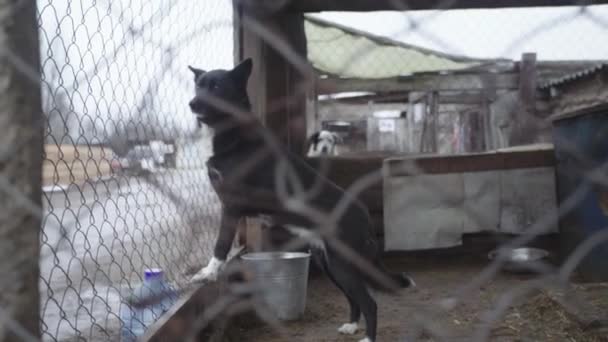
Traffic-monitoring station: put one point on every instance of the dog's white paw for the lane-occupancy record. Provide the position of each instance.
(366, 339)
(206, 274)
(348, 328)
(412, 282)
(209, 272)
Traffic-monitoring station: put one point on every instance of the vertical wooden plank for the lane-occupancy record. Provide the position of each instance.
(251, 46)
(429, 134)
(401, 134)
(20, 170)
(237, 32)
(461, 127)
(286, 105)
(425, 127)
(528, 82)
(411, 129)
(272, 86)
(281, 107)
(312, 116)
(486, 121)
(254, 236)
(239, 54)
(476, 131)
(488, 94)
(524, 131)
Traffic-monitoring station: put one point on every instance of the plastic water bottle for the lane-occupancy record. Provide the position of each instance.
(155, 296)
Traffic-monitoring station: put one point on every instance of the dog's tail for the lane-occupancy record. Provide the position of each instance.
(393, 282)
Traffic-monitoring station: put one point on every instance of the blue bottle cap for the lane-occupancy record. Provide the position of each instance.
(151, 273)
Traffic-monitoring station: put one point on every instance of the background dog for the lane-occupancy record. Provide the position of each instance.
(323, 143)
(254, 177)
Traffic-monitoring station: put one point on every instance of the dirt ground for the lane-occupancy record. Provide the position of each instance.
(418, 315)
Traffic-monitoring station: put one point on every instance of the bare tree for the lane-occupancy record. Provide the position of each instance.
(55, 107)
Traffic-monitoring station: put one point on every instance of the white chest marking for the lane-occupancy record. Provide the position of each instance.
(313, 238)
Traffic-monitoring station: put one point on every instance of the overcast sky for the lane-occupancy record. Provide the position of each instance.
(109, 53)
(114, 68)
(553, 32)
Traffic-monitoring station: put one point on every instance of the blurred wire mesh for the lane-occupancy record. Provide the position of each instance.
(124, 177)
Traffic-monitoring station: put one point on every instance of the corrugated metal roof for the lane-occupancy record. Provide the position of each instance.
(575, 75)
(342, 51)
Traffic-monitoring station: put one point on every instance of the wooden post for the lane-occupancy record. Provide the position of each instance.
(488, 95)
(254, 238)
(461, 124)
(286, 114)
(476, 129)
(523, 131)
(312, 111)
(239, 55)
(429, 139)
(527, 82)
(276, 85)
(414, 139)
(20, 169)
(486, 122)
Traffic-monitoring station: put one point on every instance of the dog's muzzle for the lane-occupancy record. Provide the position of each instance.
(198, 109)
(196, 106)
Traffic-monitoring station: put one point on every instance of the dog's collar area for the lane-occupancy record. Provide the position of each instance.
(219, 149)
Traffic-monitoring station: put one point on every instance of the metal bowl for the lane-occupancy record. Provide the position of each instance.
(524, 259)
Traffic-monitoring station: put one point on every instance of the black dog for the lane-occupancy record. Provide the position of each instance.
(248, 173)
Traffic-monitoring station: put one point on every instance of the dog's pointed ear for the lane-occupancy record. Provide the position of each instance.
(197, 72)
(241, 72)
(313, 139)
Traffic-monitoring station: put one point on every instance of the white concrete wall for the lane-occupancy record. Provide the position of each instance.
(435, 210)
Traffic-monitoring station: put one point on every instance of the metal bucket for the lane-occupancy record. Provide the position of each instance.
(283, 277)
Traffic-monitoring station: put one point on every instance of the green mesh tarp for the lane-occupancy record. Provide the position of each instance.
(340, 51)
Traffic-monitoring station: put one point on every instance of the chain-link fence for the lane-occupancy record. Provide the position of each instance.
(126, 185)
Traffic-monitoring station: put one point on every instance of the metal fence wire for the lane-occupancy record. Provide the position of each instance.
(124, 178)
(125, 181)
